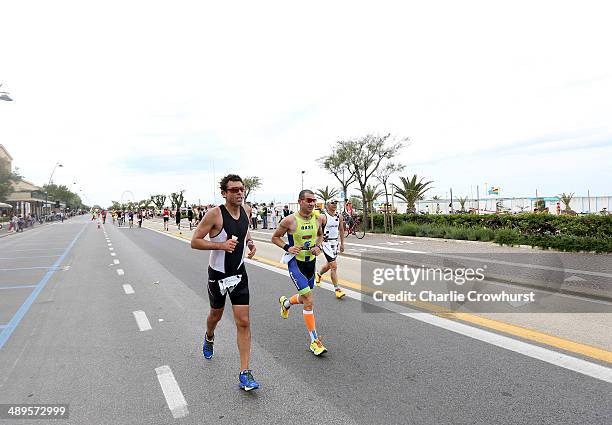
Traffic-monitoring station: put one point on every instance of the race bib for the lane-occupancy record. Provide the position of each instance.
(229, 283)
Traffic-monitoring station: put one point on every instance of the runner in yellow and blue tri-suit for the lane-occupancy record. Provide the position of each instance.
(304, 235)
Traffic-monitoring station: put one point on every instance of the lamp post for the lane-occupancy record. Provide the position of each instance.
(303, 172)
(49, 184)
(4, 96)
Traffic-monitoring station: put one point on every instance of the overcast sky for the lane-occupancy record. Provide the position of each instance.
(142, 97)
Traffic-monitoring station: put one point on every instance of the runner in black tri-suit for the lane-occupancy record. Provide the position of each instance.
(228, 229)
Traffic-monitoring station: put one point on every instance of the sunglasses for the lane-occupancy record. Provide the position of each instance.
(235, 189)
(310, 200)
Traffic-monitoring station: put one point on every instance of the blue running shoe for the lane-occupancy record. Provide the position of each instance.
(247, 382)
(207, 347)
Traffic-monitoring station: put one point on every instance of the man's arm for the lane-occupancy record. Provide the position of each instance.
(316, 250)
(203, 230)
(341, 231)
(283, 227)
(249, 241)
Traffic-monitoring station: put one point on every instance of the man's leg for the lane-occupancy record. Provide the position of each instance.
(243, 334)
(214, 315)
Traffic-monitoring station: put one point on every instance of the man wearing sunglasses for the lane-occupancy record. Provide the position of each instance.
(304, 233)
(228, 229)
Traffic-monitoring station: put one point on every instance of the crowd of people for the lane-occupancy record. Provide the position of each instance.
(19, 222)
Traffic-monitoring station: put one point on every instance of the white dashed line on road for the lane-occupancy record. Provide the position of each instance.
(115, 261)
(128, 289)
(174, 397)
(142, 321)
(120, 272)
(111, 249)
(113, 254)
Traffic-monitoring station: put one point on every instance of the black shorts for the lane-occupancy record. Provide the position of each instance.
(328, 258)
(238, 296)
(166, 218)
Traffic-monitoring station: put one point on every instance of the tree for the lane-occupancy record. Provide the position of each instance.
(567, 199)
(462, 202)
(144, 204)
(250, 184)
(115, 206)
(369, 195)
(7, 178)
(62, 193)
(326, 194)
(337, 164)
(383, 175)
(159, 201)
(411, 191)
(364, 156)
(177, 199)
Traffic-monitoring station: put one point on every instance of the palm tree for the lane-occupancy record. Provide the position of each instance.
(326, 194)
(250, 184)
(369, 195)
(462, 202)
(566, 199)
(411, 191)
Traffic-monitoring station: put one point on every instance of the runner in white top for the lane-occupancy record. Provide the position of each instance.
(333, 232)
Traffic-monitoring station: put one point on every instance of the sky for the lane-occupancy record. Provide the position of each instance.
(136, 98)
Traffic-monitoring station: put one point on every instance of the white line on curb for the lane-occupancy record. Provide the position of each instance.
(128, 289)
(120, 272)
(174, 397)
(142, 321)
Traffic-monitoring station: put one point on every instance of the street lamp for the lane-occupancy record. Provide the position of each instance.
(49, 184)
(4, 95)
(303, 172)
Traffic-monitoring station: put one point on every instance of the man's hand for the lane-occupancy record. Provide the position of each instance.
(294, 250)
(341, 247)
(229, 245)
(252, 249)
(315, 250)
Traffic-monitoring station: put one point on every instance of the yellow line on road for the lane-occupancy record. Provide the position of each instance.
(525, 333)
(507, 328)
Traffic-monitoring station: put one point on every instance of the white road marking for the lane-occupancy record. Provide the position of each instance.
(174, 397)
(115, 261)
(128, 289)
(111, 249)
(142, 321)
(109, 244)
(113, 254)
(120, 272)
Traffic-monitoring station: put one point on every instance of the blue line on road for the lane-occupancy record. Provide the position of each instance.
(10, 326)
(2, 326)
(37, 256)
(28, 268)
(18, 287)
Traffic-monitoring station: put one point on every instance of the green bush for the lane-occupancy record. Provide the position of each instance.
(581, 233)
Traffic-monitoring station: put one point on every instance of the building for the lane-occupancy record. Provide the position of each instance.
(26, 198)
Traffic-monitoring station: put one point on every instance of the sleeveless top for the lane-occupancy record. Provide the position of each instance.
(305, 236)
(331, 231)
(222, 261)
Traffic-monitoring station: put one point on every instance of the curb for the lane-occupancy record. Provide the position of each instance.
(495, 278)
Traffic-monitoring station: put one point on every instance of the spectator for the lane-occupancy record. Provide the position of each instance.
(254, 216)
(264, 215)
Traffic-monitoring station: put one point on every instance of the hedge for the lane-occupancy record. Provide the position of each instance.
(566, 233)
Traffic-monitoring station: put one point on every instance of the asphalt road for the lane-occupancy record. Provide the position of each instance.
(69, 335)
